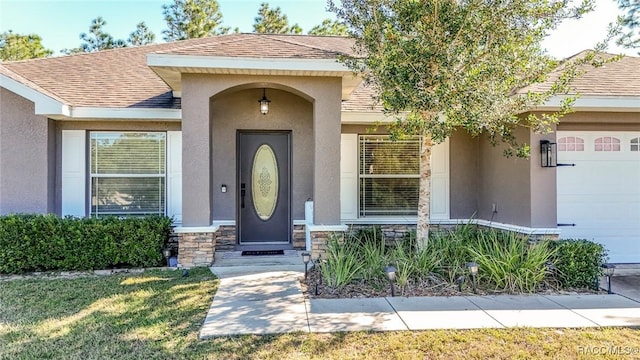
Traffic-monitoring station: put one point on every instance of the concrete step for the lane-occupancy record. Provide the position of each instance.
(235, 258)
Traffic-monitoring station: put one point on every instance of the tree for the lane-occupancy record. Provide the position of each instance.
(631, 22)
(141, 36)
(190, 19)
(443, 65)
(97, 39)
(272, 21)
(329, 27)
(15, 47)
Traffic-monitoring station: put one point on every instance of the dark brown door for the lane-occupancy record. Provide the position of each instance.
(264, 162)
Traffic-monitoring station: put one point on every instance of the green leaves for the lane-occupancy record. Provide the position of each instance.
(47, 242)
(452, 64)
(578, 262)
(190, 19)
(14, 47)
(272, 21)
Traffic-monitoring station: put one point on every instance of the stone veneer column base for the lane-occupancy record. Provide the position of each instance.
(319, 241)
(196, 249)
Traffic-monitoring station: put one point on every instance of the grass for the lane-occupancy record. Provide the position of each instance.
(157, 315)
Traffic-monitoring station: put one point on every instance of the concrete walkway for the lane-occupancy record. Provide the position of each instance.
(267, 298)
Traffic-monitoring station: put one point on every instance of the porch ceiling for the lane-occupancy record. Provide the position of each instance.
(171, 67)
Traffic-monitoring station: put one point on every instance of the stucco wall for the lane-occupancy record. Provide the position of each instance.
(544, 213)
(464, 175)
(97, 125)
(600, 121)
(26, 162)
(197, 90)
(240, 111)
(504, 182)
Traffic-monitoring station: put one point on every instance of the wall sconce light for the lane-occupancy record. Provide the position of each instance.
(548, 154)
(264, 102)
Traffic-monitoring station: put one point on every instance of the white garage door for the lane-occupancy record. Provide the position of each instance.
(600, 195)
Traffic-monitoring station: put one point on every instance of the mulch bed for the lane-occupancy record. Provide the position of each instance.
(430, 287)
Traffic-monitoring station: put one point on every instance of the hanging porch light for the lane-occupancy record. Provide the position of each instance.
(264, 102)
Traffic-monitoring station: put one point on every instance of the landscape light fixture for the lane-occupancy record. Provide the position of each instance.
(264, 102)
(473, 271)
(306, 257)
(609, 269)
(166, 252)
(391, 275)
(548, 154)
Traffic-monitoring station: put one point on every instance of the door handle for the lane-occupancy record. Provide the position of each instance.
(243, 191)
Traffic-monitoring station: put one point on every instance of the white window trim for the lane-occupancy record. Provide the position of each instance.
(381, 176)
(91, 175)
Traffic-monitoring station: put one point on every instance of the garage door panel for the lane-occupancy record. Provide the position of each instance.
(601, 194)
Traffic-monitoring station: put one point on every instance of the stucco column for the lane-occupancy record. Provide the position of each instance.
(196, 156)
(544, 199)
(326, 153)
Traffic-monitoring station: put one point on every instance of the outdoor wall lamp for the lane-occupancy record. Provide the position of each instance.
(306, 257)
(609, 269)
(473, 271)
(548, 154)
(264, 102)
(391, 275)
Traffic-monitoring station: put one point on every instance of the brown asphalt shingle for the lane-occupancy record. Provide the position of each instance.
(619, 78)
(120, 78)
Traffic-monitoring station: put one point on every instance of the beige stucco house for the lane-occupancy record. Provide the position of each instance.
(178, 129)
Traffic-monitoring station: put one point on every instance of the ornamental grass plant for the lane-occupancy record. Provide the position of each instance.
(508, 262)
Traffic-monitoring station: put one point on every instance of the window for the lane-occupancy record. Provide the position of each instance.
(389, 175)
(127, 173)
(635, 144)
(570, 143)
(607, 143)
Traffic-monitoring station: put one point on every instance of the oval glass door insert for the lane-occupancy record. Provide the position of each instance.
(264, 182)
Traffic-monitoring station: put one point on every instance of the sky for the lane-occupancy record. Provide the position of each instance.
(60, 22)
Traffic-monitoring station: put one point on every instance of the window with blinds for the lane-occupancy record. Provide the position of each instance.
(128, 173)
(389, 175)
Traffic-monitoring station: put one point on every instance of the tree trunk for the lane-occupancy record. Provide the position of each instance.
(424, 194)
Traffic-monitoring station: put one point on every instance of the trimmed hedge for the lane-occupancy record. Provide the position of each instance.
(48, 242)
(578, 262)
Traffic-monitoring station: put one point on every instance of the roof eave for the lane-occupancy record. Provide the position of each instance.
(44, 104)
(595, 103)
(169, 68)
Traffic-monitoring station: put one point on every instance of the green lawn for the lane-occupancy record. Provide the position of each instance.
(156, 315)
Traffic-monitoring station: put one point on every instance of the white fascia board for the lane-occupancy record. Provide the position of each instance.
(413, 220)
(44, 104)
(594, 103)
(195, 229)
(126, 113)
(237, 63)
(327, 228)
(365, 118)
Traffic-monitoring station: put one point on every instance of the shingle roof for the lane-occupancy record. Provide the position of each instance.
(121, 78)
(362, 100)
(267, 46)
(619, 78)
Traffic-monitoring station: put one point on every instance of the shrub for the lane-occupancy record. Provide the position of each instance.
(48, 242)
(578, 262)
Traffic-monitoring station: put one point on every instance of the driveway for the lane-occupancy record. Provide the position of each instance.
(626, 285)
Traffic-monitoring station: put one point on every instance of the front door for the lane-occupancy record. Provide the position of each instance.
(264, 162)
